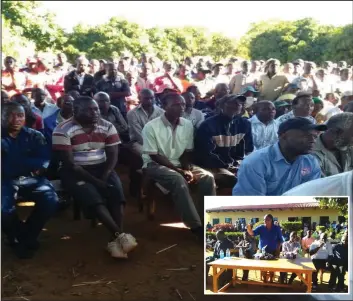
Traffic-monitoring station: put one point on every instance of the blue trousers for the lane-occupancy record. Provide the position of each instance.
(36, 189)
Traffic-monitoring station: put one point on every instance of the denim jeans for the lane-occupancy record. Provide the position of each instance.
(36, 189)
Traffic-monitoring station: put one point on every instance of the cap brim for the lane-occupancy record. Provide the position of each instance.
(315, 127)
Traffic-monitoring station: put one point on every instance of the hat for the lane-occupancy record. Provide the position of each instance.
(317, 100)
(298, 62)
(242, 98)
(301, 94)
(286, 97)
(300, 123)
(161, 88)
(347, 93)
(203, 68)
(217, 64)
(281, 103)
(249, 88)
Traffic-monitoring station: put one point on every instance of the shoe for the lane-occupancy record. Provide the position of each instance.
(127, 241)
(115, 249)
(22, 251)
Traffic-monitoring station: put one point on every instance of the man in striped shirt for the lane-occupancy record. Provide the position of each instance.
(87, 145)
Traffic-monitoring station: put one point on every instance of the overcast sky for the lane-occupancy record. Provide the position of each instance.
(231, 18)
(218, 201)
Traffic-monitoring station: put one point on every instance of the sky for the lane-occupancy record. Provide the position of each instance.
(232, 18)
(218, 201)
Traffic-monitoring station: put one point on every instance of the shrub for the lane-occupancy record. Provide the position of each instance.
(292, 226)
(321, 228)
(224, 227)
(260, 223)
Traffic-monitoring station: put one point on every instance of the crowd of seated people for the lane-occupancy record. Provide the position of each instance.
(82, 117)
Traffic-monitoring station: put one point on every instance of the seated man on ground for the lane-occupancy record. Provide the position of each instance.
(221, 140)
(334, 148)
(321, 253)
(112, 114)
(137, 118)
(33, 120)
(248, 249)
(290, 250)
(87, 146)
(302, 106)
(276, 169)
(195, 116)
(167, 143)
(65, 103)
(339, 265)
(24, 158)
(263, 126)
(223, 243)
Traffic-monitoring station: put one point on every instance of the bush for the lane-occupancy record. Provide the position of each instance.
(231, 235)
(257, 224)
(321, 228)
(292, 226)
(224, 227)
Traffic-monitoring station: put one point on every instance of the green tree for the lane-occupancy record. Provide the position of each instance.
(36, 24)
(221, 47)
(341, 204)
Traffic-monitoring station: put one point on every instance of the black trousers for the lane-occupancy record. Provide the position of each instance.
(319, 264)
(339, 272)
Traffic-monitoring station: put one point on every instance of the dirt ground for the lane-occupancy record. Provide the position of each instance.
(72, 253)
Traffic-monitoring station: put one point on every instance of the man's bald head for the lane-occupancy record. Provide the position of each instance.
(103, 101)
(101, 96)
(146, 98)
(82, 64)
(221, 90)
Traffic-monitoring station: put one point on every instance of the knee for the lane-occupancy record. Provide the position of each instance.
(180, 181)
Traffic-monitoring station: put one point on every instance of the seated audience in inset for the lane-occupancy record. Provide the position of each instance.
(248, 247)
(167, 143)
(87, 146)
(307, 240)
(222, 140)
(276, 169)
(24, 159)
(321, 253)
(334, 148)
(339, 265)
(290, 250)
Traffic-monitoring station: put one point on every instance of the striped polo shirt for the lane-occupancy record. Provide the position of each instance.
(87, 148)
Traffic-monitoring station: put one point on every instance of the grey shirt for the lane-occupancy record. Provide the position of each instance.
(116, 118)
(137, 119)
(195, 116)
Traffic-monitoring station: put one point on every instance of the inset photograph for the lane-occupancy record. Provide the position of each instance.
(276, 245)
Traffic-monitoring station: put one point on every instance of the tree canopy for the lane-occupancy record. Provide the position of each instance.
(26, 23)
(335, 203)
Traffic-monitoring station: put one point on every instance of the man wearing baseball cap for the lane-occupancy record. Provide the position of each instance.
(278, 168)
(282, 107)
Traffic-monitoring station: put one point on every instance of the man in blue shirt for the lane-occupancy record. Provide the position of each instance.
(270, 235)
(25, 156)
(278, 168)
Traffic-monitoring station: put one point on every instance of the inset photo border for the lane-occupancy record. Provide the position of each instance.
(277, 245)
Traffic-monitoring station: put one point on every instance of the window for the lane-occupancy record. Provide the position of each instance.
(254, 220)
(215, 221)
(242, 220)
(292, 219)
(228, 220)
(341, 219)
(324, 220)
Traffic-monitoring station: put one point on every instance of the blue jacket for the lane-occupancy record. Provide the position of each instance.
(24, 154)
(50, 124)
(219, 141)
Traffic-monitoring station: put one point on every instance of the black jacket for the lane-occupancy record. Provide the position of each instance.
(71, 82)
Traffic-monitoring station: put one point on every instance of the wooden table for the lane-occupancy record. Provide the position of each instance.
(303, 267)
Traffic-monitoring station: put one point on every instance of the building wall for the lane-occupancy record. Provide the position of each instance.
(281, 215)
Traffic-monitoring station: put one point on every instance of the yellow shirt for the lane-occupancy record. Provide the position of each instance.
(271, 88)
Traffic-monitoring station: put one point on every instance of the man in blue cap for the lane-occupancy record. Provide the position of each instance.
(278, 168)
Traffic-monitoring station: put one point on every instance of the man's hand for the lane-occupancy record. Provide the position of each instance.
(39, 172)
(187, 174)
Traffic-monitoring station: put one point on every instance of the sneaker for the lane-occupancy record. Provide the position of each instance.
(127, 241)
(115, 249)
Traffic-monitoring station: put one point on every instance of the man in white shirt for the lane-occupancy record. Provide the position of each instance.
(243, 79)
(320, 251)
(167, 142)
(263, 126)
